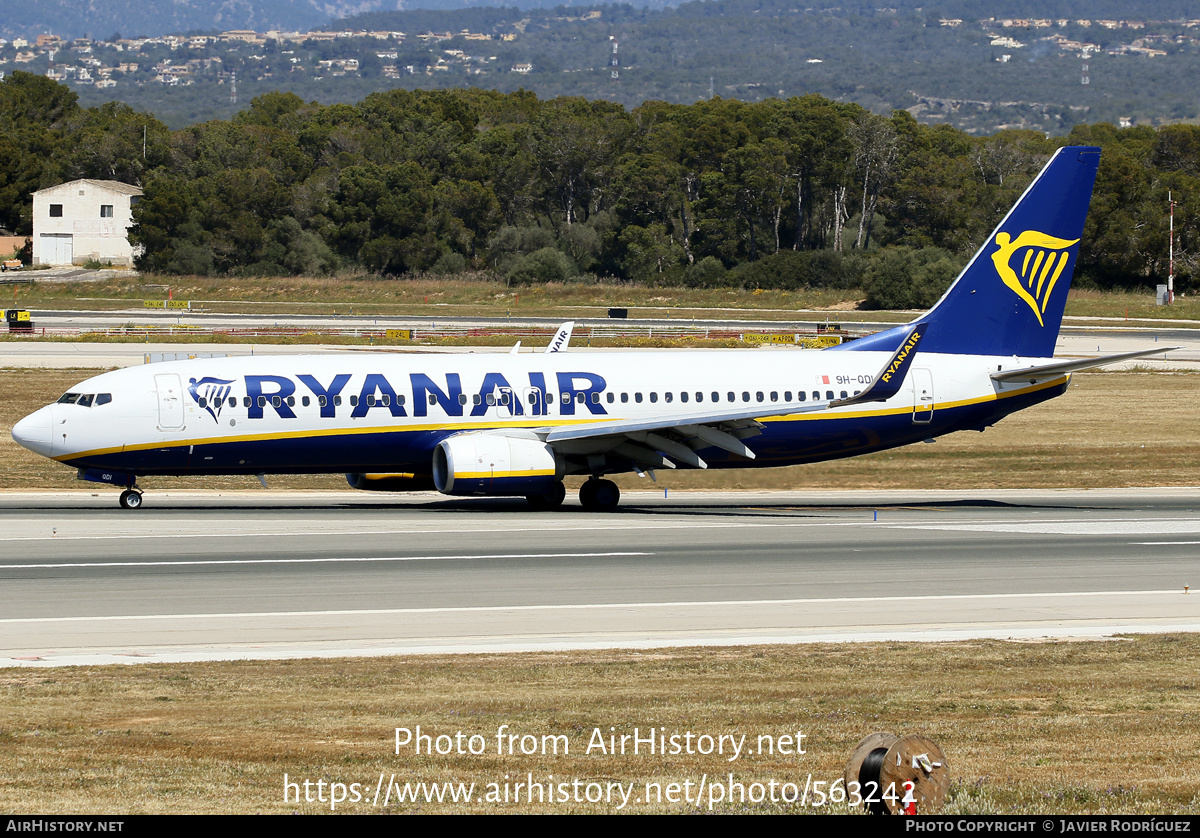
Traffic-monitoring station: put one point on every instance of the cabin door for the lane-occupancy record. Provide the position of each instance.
(170, 402)
(922, 396)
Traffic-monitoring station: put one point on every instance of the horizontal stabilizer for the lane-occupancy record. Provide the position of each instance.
(1041, 372)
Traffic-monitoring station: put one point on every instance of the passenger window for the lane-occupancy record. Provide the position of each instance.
(304, 401)
(432, 399)
(581, 397)
(291, 401)
(731, 397)
(203, 402)
(774, 396)
(400, 399)
(668, 396)
(337, 401)
(595, 398)
(246, 401)
(370, 400)
(787, 395)
(716, 397)
(758, 396)
(801, 395)
(844, 394)
(462, 398)
(566, 398)
(386, 399)
(816, 395)
(322, 401)
(232, 400)
(105, 398)
(354, 401)
(637, 397)
(276, 401)
(475, 399)
(624, 398)
(829, 395)
(654, 398)
(612, 397)
(491, 398)
(683, 396)
(746, 396)
(262, 401)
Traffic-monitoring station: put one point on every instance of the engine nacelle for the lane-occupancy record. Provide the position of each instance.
(494, 464)
(390, 482)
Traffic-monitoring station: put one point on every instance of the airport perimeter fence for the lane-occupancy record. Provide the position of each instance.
(582, 336)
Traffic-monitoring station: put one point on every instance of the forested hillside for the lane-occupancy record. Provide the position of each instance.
(784, 193)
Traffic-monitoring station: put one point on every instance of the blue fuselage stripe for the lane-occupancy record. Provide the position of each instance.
(781, 443)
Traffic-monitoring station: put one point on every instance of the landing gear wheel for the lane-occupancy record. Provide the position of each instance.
(552, 498)
(599, 495)
(131, 499)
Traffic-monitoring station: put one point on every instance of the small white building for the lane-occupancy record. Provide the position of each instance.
(84, 219)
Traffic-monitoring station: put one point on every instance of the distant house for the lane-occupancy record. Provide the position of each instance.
(84, 219)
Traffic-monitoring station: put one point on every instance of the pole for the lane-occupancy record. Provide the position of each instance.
(1171, 257)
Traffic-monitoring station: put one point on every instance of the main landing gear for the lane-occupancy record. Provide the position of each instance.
(551, 499)
(131, 499)
(598, 495)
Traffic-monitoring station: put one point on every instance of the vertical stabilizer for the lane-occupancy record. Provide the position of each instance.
(1009, 299)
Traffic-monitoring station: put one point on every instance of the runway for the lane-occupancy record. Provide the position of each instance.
(195, 576)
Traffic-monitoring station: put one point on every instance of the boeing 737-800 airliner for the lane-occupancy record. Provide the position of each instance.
(516, 424)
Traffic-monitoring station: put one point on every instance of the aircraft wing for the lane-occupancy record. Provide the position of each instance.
(660, 440)
(1040, 372)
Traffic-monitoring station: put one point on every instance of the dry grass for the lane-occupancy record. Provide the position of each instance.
(473, 295)
(1109, 430)
(478, 295)
(1087, 727)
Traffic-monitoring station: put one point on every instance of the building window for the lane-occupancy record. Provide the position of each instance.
(56, 211)
(106, 210)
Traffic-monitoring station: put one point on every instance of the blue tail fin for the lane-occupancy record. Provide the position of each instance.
(1009, 299)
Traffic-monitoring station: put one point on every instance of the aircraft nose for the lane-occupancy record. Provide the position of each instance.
(36, 431)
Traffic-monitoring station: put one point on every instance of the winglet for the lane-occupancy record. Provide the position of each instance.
(561, 338)
(891, 378)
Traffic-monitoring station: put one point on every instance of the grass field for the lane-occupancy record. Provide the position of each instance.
(476, 295)
(1027, 728)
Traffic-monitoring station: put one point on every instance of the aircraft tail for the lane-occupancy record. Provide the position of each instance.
(1010, 297)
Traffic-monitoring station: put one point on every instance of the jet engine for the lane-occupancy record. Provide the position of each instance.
(494, 464)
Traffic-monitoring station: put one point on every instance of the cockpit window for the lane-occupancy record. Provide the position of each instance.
(68, 398)
(85, 400)
(103, 398)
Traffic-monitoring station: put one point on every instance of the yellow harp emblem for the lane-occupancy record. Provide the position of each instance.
(1043, 263)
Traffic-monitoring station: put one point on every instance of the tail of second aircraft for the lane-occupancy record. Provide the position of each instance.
(1009, 299)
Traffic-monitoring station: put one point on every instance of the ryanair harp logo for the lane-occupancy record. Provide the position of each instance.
(1041, 259)
(210, 394)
